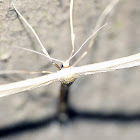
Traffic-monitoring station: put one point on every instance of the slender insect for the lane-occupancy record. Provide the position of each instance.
(68, 74)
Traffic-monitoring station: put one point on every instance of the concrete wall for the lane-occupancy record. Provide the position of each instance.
(107, 104)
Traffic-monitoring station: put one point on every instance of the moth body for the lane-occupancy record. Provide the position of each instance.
(69, 77)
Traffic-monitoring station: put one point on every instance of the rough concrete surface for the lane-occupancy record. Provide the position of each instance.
(107, 106)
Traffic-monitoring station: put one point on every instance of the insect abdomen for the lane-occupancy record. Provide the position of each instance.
(69, 79)
(68, 76)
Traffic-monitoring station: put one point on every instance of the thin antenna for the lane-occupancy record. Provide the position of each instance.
(71, 27)
(87, 41)
(43, 48)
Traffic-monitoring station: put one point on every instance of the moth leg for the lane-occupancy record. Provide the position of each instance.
(71, 27)
(100, 21)
(38, 39)
(22, 72)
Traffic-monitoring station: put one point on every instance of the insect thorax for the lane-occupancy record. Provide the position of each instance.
(69, 77)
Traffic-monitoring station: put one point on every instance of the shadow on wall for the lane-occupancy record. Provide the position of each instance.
(73, 115)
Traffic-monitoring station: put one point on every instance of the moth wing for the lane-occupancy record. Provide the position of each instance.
(112, 65)
(16, 87)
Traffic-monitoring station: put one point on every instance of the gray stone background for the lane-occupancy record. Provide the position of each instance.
(108, 103)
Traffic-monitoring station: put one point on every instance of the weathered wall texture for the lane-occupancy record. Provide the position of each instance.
(112, 98)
